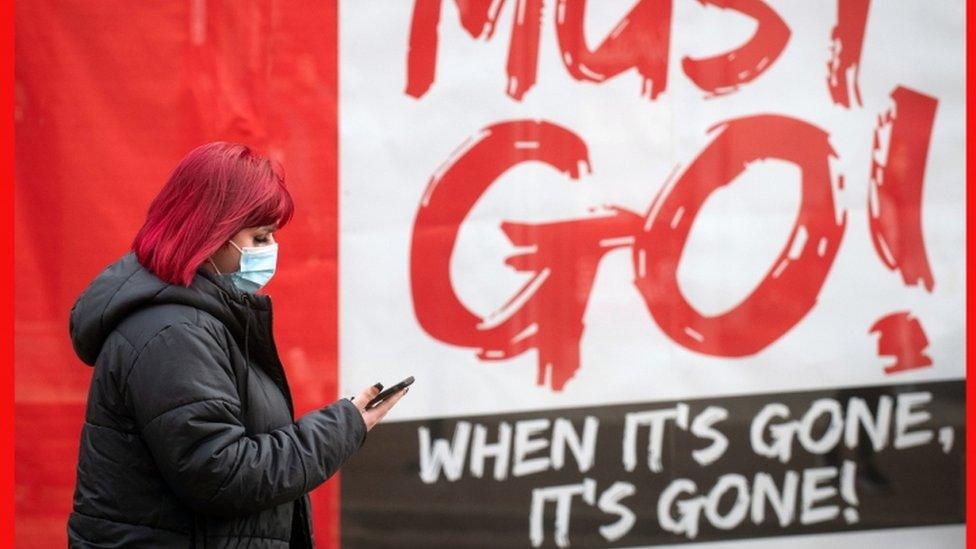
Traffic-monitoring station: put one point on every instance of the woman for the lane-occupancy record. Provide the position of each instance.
(189, 437)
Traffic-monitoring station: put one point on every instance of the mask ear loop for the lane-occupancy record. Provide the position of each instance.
(214, 265)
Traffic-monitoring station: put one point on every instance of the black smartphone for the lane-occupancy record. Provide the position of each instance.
(389, 392)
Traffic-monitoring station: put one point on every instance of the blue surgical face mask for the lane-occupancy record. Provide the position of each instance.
(257, 265)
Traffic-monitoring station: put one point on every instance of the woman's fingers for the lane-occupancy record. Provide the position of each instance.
(376, 414)
(366, 395)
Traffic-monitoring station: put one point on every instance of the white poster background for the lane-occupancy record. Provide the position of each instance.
(391, 144)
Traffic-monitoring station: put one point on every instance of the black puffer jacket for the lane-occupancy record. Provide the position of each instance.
(189, 437)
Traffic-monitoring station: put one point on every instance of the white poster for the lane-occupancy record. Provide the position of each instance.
(557, 205)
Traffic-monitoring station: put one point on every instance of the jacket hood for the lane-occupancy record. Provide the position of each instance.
(125, 287)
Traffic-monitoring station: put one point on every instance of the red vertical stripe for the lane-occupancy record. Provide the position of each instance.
(109, 97)
(6, 282)
(970, 271)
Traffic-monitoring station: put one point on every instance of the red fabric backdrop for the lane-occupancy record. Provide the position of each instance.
(109, 97)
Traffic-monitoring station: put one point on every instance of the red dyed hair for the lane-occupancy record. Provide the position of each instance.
(217, 190)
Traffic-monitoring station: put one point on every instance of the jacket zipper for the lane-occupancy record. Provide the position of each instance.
(304, 506)
(279, 367)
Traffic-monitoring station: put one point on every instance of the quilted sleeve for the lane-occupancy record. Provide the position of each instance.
(182, 394)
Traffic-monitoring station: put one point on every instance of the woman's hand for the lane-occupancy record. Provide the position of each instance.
(375, 414)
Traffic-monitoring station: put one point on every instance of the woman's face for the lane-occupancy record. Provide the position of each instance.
(228, 259)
